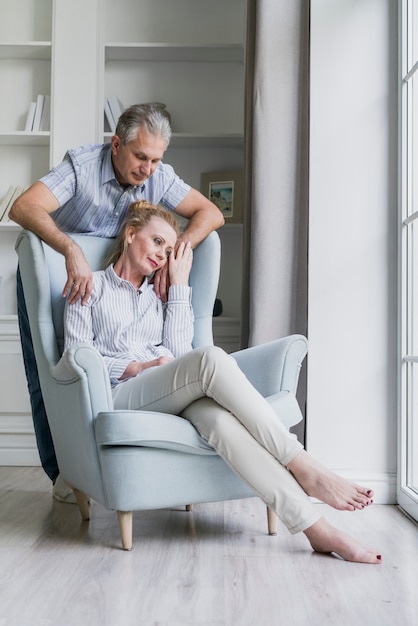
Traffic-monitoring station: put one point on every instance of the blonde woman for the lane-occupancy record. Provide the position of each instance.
(146, 345)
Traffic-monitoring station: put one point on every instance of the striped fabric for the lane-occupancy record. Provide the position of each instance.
(125, 324)
(91, 199)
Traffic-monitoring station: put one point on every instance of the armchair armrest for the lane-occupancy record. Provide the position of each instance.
(274, 366)
(286, 407)
(84, 362)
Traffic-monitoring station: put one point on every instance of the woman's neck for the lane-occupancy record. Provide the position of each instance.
(124, 271)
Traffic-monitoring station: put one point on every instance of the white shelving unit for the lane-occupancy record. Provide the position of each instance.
(25, 72)
(26, 58)
(188, 54)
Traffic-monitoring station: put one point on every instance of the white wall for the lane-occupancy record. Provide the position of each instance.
(351, 421)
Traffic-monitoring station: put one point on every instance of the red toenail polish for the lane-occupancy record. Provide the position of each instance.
(379, 557)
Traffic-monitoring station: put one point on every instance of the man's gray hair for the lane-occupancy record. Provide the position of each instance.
(153, 118)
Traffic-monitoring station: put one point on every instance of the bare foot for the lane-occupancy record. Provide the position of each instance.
(326, 539)
(319, 482)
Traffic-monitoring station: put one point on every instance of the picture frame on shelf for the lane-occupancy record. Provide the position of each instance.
(226, 190)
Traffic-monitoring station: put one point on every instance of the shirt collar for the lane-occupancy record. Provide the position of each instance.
(116, 280)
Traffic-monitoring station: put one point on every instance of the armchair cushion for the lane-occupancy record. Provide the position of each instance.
(152, 430)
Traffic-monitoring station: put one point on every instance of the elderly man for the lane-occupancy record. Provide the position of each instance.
(89, 192)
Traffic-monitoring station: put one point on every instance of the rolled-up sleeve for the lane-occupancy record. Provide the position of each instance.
(179, 320)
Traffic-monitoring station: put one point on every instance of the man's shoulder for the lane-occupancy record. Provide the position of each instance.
(162, 178)
(164, 170)
(88, 153)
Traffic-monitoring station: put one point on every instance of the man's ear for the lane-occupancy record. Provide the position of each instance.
(115, 143)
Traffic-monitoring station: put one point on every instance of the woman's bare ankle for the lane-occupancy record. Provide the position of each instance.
(324, 538)
(323, 484)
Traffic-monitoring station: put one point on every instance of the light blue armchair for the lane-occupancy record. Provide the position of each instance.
(127, 460)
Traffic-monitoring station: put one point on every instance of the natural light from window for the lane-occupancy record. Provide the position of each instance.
(408, 457)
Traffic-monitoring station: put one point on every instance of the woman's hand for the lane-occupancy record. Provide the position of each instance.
(135, 367)
(161, 283)
(175, 272)
(180, 264)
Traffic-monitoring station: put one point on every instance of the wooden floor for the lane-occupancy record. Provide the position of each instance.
(212, 566)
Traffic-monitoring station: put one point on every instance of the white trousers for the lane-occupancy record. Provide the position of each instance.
(207, 388)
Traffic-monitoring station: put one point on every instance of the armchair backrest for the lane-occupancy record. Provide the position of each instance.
(72, 408)
(44, 275)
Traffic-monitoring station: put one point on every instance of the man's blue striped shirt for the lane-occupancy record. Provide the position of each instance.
(91, 199)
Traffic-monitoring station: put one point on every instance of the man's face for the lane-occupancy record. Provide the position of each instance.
(138, 159)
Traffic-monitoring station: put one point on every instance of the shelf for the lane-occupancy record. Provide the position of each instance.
(213, 140)
(32, 50)
(22, 138)
(200, 53)
(198, 140)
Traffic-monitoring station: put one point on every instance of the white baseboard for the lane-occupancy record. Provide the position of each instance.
(384, 484)
(19, 458)
(17, 441)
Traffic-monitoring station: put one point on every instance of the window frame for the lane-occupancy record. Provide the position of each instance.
(408, 252)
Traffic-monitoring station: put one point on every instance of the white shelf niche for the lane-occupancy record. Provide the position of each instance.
(175, 21)
(204, 99)
(26, 21)
(22, 164)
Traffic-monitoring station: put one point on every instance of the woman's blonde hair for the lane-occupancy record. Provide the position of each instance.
(139, 215)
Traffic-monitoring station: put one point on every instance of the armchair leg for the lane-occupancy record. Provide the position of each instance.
(83, 504)
(189, 507)
(125, 525)
(271, 521)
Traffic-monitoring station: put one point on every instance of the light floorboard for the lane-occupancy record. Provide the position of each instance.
(213, 566)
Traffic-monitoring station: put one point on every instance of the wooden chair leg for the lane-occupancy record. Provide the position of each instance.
(271, 521)
(83, 504)
(189, 507)
(125, 525)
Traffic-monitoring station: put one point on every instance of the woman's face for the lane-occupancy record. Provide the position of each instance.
(148, 249)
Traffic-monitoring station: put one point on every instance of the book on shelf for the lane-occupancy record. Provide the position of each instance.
(109, 117)
(113, 110)
(6, 202)
(30, 117)
(39, 115)
(46, 114)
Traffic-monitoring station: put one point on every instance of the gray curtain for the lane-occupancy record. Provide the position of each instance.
(277, 173)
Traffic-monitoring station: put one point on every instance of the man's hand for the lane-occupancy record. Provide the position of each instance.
(79, 277)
